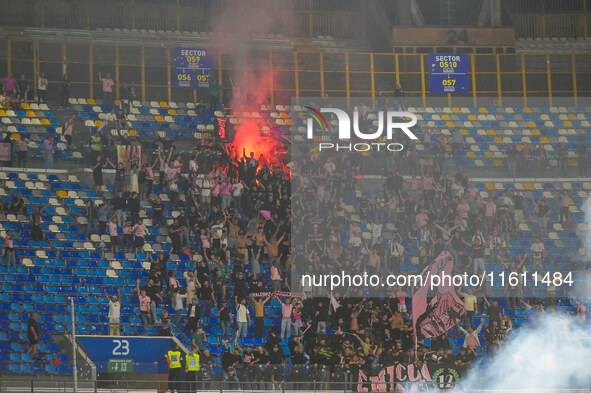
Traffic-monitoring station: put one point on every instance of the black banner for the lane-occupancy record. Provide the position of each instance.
(410, 378)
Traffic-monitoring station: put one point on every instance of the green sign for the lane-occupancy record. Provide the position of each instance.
(120, 365)
(445, 379)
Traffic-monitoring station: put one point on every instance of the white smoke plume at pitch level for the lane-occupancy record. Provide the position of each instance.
(551, 353)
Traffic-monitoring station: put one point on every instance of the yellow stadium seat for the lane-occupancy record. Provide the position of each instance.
(472, 117)
(488, 154)
(535, 132)
(572, 116)
(519, 147)
(531, 123)
(498, 140)
(544, 139)
(163, 104)
(160, 119)
(284, 115)
(456, 110)
(450, 124)
(567, 124)
(498, 162)
(471, 154)
(572, 162)
(62, 194)
(133, 133)
(2, 113)
(117, 102)
(288, 122)
(491, 132)
(45, 122)
(489, 186)
(526, 110)
(482, 110)
(31, 114)
(172, 112)
(98, 123)
(15, 137)
(528, 186)
(25, 105)
(464, 132)
(445, 117)
(91, 101)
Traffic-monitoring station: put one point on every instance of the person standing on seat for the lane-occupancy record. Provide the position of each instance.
(192, 369)
(33, 334)
(9, 251)
(114, 312)
(173, 358)
(108, 85)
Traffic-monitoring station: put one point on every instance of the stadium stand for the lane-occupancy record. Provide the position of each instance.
(73, 261)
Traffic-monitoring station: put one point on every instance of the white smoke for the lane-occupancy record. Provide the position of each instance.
(550, 353)
(587, 232)
(235, 36)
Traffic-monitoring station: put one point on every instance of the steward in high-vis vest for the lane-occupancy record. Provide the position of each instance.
(192, 368)
(173, 358)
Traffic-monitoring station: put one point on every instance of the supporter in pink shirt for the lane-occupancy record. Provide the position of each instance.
(108, 84)
(463, 209)
(472, 191)
(564, 199)
(205, 241)
(226, 191)
(275, 277)
(490, 208)
(140, 231)
(414, 184)
(422, 219)
(113, 234)
(286, 310)
(427, 182)
(401, 295)
(107, 91)
(9, 84)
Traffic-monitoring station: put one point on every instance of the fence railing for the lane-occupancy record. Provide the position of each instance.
(296, 73)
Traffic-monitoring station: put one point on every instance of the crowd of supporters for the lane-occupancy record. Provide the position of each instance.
(232, 215)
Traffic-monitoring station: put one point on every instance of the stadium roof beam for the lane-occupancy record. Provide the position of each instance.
(409, 13)
(490, 14)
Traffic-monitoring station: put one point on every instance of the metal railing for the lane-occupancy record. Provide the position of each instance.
(295, 73)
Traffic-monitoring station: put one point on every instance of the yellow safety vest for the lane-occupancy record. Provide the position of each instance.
(192, 362)
(174, 359)
(96, 143)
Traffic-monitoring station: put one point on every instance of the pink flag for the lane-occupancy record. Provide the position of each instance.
(266, 214)
(435, 311)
